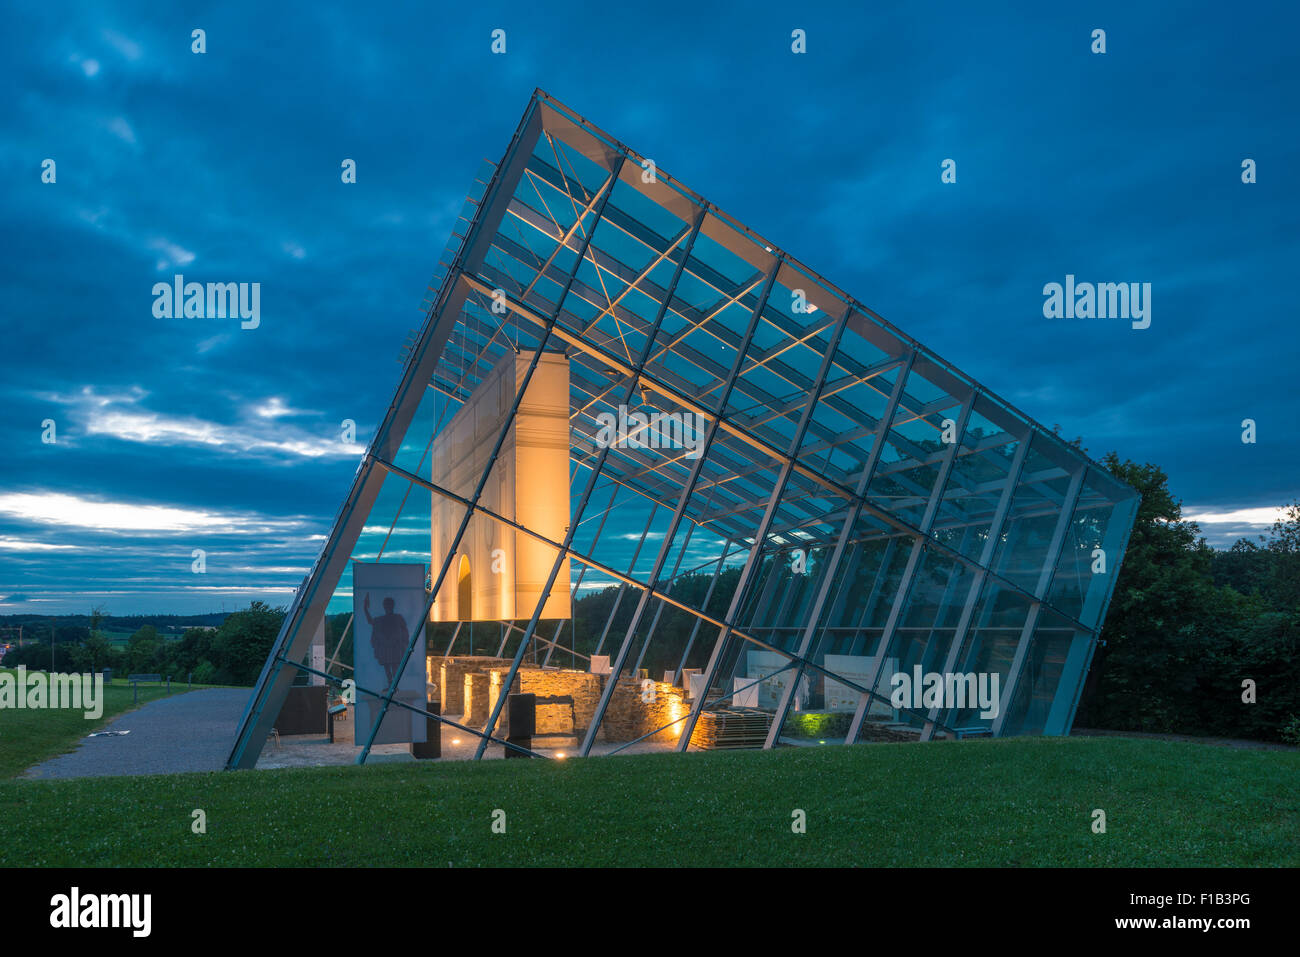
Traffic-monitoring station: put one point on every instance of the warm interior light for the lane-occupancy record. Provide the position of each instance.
(455, 740)
(501, 571)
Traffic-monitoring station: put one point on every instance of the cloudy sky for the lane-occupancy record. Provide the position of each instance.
(171, 436)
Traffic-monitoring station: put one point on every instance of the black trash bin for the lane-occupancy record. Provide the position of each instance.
(432, 745)
(523, 723)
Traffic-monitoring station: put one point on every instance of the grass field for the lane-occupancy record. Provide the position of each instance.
(29, 737)
(1012, 802)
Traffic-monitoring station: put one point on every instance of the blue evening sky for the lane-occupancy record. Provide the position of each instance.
(174, 435)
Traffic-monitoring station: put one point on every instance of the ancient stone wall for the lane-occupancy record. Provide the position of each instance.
(629, 716)
(451, 677)
(475, 699)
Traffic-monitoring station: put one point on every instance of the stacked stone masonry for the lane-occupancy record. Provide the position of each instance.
(567, 702)
(450, 678)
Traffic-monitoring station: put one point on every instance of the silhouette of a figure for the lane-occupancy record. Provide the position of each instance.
(388, 637)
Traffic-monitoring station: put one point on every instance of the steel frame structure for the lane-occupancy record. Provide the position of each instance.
(851, 493)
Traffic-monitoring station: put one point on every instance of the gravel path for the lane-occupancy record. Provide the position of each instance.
(186, 732)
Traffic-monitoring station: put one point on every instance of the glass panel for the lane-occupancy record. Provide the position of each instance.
(864, 590)
(988, 650)
(1035, 509)
(842, 431)
(976, 483)
(1036, 693)
(934, 607)
(1085, 573)
(711, 307)
(913, 450)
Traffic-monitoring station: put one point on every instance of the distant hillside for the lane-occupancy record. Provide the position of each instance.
(35, 626)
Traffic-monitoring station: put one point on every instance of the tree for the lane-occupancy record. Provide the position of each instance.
(1283, 583)
(242, 643)
(191, 650)
(35, 657)
(96, 648)
(143, 649)
(1245, 567)
(1267, 651)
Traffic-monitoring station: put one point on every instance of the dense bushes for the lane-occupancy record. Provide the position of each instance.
(1188, 626)
(231, 654)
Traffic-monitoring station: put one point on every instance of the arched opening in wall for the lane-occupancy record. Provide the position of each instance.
(464, 592)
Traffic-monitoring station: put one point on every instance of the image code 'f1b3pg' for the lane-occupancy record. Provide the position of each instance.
(685, 493)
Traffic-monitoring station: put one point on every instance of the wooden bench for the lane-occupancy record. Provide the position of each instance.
(136, 680)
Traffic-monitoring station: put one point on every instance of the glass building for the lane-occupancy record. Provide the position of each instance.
(689, 494)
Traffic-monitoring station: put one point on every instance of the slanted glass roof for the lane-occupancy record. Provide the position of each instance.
(658, 297)
(796, 494)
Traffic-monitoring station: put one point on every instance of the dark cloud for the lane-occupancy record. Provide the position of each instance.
(224, 167)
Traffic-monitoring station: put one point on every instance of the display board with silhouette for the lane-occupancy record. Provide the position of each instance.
(388, 601)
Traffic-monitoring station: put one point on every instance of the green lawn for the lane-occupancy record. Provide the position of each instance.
(1013, 802)
(29, 737)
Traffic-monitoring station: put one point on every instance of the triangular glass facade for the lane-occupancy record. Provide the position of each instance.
(690, 494)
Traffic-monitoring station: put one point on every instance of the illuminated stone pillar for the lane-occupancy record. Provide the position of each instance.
(498, 572)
